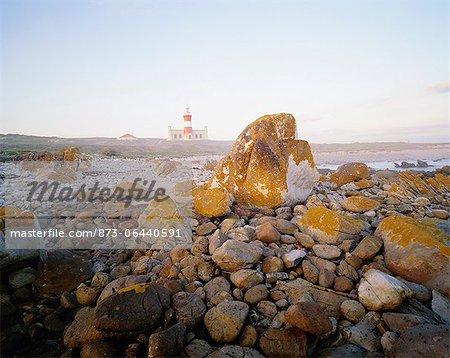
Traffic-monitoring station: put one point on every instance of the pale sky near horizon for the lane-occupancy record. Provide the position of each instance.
(349, 71)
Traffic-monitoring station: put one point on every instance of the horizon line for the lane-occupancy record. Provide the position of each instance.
(214, 140)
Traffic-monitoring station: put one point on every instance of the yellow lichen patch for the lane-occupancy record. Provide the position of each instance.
(359, 204)
(350, 172)
(319, 217)
(211, 201)
(138, 288)
(328, 226)
(440, 182)
(393, 189)
(404, 231)
(300, 151)
(265, 179)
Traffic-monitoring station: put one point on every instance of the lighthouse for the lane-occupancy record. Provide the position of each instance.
(187, 118)
(187, 133)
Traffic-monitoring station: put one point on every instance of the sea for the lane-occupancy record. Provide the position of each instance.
(382, 165)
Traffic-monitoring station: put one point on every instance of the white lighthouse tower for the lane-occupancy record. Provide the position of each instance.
(187, 133)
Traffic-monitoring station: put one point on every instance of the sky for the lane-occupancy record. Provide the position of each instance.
(349, 71)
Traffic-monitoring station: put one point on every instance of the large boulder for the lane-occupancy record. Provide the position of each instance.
(329, 227)
(417, 250)
(266, 167)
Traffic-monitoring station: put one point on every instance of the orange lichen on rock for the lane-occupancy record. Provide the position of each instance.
(70, 154)
(359, 204)
(349, 172)
(411, 185)
(266, 167)
(328, 226)
(211, 202)
(404, 231)
(417, 249)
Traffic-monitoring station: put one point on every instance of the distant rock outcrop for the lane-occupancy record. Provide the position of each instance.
(266, 167)
(404, 165)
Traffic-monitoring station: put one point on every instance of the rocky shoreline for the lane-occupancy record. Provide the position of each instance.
(358, 269)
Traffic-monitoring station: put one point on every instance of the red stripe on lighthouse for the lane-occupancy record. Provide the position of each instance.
(187, 117)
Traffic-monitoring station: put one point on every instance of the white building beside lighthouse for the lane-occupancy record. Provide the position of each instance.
(187, 133)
